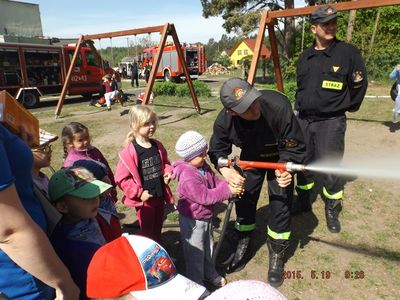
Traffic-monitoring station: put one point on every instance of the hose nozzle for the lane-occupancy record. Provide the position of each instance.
(292, 167)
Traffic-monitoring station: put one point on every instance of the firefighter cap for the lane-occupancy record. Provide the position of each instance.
(237, 95)
(136, 265)
(323, 14)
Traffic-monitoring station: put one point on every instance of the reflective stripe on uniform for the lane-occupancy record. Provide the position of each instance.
(336, 196)
(243, 228)
(278, 236)
(306, 187)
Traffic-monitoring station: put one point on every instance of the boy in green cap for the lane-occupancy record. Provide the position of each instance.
(75, 193)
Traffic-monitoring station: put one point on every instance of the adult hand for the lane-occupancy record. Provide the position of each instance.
(145, 196)
(232, 177)
(283, 178)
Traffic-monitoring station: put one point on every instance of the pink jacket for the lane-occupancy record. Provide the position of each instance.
(127, 175)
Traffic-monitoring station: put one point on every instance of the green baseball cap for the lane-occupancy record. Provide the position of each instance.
(75, 181)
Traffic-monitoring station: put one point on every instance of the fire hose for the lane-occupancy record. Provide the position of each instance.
(236, 163)
(240, 166)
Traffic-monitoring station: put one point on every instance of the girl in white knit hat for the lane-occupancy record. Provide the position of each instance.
(198, 191)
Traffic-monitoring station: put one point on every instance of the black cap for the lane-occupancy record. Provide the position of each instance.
(237, 94)
(323, 14)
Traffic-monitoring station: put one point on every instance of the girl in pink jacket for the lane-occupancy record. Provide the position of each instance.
(144, 171)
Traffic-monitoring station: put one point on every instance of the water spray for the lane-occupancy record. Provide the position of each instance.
(379, 169)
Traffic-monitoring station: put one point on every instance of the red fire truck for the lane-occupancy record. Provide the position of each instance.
(170, 68)
(28, 71)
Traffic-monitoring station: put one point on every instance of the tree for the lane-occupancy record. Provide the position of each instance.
(243, 17)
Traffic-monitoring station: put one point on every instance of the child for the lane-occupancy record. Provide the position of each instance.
(75, 193)
(110, 89)
(143, 172)
(198, 189)
(99, 171)
(135, 267)
(77, 145)
(41, 160)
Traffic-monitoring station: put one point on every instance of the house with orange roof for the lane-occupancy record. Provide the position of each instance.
(246, 48)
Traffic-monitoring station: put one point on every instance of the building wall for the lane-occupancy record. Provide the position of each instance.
(20, 19)
(239, 53)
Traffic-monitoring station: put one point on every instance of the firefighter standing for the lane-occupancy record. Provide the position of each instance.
(263, 125)
(331, 80)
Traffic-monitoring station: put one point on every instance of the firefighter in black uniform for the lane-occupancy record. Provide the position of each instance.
(331, 80)
(263, 125)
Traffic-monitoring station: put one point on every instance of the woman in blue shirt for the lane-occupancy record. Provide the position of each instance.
(30, 269)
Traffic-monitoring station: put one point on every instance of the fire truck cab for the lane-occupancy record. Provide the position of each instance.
(29, 71)
(170, 68)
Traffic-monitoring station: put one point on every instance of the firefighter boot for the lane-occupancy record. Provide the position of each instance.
(302, 203)
(333, 208)
(276, 260)
(243, 251)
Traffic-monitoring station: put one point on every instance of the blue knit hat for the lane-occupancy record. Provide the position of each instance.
(98, 169)
(190, 144)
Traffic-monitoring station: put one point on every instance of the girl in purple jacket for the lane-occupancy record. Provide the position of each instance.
(199, 190)
(144, 171)
(77, 146)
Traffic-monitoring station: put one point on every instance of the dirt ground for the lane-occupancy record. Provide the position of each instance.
(361, 262)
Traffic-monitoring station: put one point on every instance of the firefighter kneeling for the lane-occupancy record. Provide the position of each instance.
(262, 124)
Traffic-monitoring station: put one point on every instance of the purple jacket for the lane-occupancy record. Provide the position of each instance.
(197, 192)
(127, 175)
(90, 154)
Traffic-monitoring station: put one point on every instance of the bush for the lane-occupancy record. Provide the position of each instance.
(165, 88)
(290, 88)
(201, 89)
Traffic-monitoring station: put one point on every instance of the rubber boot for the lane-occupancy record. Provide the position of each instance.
(276, 260)
(333, 208)
(243, 251)
(302, 203)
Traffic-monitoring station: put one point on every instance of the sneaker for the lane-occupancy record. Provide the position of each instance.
(98, 105)
(109, 108)
(394, 117)
(218, 281)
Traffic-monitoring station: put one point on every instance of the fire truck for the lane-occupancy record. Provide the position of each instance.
(29, 71)
(170, 68)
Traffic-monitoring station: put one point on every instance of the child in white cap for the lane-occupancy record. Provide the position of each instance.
(198, 191)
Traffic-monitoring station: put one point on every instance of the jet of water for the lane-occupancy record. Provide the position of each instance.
(383, 169)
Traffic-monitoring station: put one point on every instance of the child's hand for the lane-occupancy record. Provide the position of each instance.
(236, 190)
(284, 178)
(167, 178)
(145, 196)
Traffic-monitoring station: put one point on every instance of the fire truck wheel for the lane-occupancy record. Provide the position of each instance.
(167, 76)
(29, 99)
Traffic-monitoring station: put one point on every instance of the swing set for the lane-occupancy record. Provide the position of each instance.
(165, 30)
(269, 19)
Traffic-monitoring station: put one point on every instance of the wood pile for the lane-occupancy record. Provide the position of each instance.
(216, 69)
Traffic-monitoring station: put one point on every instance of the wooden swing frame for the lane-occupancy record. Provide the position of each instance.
(164, 30)
(269, 18)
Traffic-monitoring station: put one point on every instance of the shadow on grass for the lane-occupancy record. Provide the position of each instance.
(363, 249)
(393, 127)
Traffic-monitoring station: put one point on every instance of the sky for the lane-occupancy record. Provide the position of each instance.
(70, 19)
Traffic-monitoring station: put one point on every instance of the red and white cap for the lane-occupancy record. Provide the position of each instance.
(138, 266)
